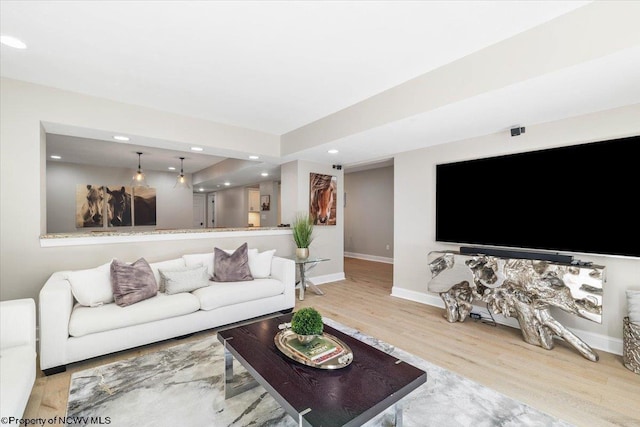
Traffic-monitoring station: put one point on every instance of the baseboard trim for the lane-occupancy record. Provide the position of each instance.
(597, 341)
(327, 278)
(56, 370)
(366, 257)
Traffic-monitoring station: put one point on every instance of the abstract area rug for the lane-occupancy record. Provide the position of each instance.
(184, 386)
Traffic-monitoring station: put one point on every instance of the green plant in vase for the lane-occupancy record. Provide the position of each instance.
(307, 324)
(302, 234)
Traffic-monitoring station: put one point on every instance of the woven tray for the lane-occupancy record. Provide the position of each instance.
(631, 346)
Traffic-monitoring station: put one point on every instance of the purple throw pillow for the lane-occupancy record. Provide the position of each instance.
(132, 283)
(231, 267)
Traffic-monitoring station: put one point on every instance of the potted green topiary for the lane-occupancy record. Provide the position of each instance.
(302, 234)
(307, 324)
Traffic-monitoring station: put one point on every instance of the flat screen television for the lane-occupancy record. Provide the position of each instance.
(580, 199)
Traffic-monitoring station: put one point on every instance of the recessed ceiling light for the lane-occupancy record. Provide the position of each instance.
(254, 157)
(120, 138)
(197, 149)
(54, 157)
(200, 189)
(264, 174)
(333, 151)
(171, 168)
(12, 42)
(227, 183)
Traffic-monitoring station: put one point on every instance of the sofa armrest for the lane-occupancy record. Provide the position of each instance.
(56, 304)
(18, 323)
(285, 270)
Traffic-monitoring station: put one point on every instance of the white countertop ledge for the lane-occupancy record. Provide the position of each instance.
(108, 237)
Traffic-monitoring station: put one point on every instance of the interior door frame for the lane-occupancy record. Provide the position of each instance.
(211, 210)
(204, 209)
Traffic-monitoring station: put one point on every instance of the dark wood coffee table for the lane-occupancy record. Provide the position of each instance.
(350, 396)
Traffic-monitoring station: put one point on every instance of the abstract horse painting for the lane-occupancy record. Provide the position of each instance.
(144, 206)
(119, 207)
(322, 199)
(89, 206)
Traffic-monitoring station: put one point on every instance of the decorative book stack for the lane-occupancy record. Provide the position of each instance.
(318, 351)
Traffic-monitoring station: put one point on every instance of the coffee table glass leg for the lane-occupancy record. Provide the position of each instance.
(231, 389)
(302, 282)
(314, 288)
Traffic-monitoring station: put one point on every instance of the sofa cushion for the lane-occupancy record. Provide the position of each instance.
(88, 320)
(221, 294)
(192, 260)
(232, 267)
(167, 265)
(186, 279)
(132, 283)
(92, 287)
(260, 263)
(18, 367)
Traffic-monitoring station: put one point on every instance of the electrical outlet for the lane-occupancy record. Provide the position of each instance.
(388, 247)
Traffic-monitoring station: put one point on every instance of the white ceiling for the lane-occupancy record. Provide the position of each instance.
(599, 85)
(278, 66)
(112, 154)
(91, 151)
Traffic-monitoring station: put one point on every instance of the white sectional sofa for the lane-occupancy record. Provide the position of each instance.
(17, 356)
(70, 331)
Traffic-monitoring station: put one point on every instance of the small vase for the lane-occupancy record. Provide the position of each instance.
(302, 253)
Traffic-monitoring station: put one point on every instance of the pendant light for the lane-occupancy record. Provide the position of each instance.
(138, 179)
(181, 182)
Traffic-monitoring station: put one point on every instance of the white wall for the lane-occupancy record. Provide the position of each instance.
(415, 192)
(24, 107)
(231, 207)
(174, 207)
(368, 215)
(272, 189)
(329, 240)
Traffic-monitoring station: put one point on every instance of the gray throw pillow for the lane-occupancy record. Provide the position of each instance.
(162, 272)
(184, 280)
(231, 267)
(132, 283)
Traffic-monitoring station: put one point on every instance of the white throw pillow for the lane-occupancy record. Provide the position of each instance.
(193, 260)
(633, 305)
(92, 287)
(260, 263)
(185, 280)
(172, 264)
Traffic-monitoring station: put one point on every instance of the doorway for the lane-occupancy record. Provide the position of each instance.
(199, 210)
(211, 210)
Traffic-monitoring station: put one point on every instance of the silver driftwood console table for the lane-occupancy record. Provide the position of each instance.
(520, 288)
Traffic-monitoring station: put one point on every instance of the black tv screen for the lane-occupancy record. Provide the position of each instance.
(581, 198)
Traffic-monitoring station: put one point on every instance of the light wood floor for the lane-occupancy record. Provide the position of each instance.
(559, 382)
